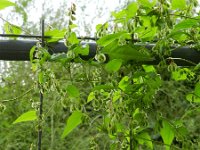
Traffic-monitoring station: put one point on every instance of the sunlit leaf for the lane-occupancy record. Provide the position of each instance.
(182, 74)
(117, 95)
(73, 91)
(31, 54)
(72, 26)
(72, 122)
(73, 38)
(5, 3)
(186, 24)
(148, 68)
(106, 40)
(55, 35)
(12, 29)
(147, 20)
(98, 27)
(28, 116)
(119, 15)
(114, 65)
(195, 96)
(167, 134)
(147, 3)
(127, 13)
(123, 84)
(91, 97)
(178, 4)
(197, 90)
(132, 9)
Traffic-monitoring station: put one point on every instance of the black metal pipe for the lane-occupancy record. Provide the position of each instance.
(19, 50)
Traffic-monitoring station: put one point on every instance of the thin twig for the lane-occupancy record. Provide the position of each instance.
(27, 32)
(13, 99)
(181, 59)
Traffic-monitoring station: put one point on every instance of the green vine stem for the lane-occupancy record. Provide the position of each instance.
(18, 97)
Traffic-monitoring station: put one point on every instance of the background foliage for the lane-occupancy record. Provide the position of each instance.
(115, 103)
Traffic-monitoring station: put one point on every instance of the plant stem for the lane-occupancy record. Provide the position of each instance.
(40, 121)
(13, 99)
(131, 138)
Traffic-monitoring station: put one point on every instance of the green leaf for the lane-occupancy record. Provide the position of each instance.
(178, 76)
(178, 4)
(55, 34)
(104, 87)
(149, 68)
(6, 3)
(113, 65)
(197, 90)
(106, 40)
(146, 33)
(195, 96)
(117, 95)
(132, 9)
(127, 52)
(123, 84)
(101, 27)
(82, 50)
(136, 112)
(179, 35)
(147, 3)
(31, 54)
(28, 116)
(167, 134)
(72, 122)
(181, 131)
(182, 74)
(72, 39)
(127, 13)
(59, 57)
(72, 26)
(98, 27)
(41, 77)
(91, 97)
(144, 139)
(73, 91)
(12, 29)
(120, 14)
(149, 34)
(186, 24)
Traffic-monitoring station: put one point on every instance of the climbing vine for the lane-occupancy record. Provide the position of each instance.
(132, 96)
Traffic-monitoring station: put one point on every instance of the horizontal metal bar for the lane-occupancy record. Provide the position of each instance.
(23, 36)
(39, 36)
(19, 50)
